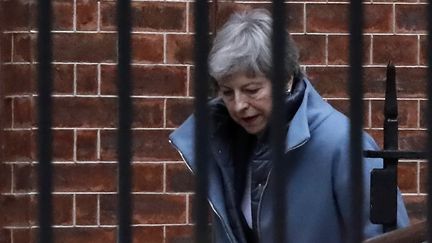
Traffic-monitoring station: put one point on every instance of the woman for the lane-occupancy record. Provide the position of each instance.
(240, 180)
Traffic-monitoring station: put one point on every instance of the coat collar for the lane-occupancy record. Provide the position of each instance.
(313, 109)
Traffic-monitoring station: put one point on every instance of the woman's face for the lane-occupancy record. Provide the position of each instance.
(248, 100)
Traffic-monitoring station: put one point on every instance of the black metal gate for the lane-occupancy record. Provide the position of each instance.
(202, 151)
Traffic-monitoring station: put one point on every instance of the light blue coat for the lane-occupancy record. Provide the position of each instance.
(317, 186)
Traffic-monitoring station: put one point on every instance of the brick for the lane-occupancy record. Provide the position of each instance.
(378, 18)
(24, 236)
(62, 15)
(24, 47)
(423, 114)
(423, 177)
(148, 113)
(5, 177)
(377, 135)
(78, 235)
(330, 81)
(153, 234)
(411, 82)
(148, 209)
(155, 80)
(327, 18)
(99, 47)
(85, 178)
(411, 18)
(148, 16)
(412, 140)
(18, 79)
(416, 207)
(178, 234)
(86, 145)
(407, 177)
(180, 49)
(6, 47)
(102, 112)
(401, 50)
(21, 11)
(312, 48)
(423, 50)
(25, 178)
(294, 23)
(344, 105)
(18, 147)
(224, 11)
(86, 15)
(147, 48)
(179, 178)
(87, 79)
(191, 87)
(407, 113)
(147, 177)
(62, 209)
(84, 112)
(17, 210)
(5, 235)
(7, 112)
(148, 145)
(86, 209)
(177, 110)
(63, 11)
(63, 79)
(338, 49)
(295, 17)
(398, 1)
(63, 145)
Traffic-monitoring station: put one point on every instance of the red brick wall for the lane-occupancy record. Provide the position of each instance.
(85, 114)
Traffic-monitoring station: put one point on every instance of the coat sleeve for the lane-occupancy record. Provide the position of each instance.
(343, 193)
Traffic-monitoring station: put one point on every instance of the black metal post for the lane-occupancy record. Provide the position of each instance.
(384, 181)
(278, 118)
(44, 122)
(356, 115)
(202, 117)
(124, 144)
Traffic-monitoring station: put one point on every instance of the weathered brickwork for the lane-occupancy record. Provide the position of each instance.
(85, 106)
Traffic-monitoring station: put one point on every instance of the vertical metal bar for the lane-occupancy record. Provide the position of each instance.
(44, 121)
(124, 145)
(356, 114)
(391, 142)
(429, 121)
(278, 118)
(2, 93)
(202, 117)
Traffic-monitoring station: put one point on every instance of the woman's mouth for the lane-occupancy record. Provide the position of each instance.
(249, 119)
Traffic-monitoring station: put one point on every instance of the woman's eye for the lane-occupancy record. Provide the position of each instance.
(252, 91)
(227, 93)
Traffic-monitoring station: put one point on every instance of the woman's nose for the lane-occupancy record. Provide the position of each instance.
(241, 102)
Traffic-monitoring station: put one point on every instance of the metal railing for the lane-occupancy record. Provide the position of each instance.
(202, 139)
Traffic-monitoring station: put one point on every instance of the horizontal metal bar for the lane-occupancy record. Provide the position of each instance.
(395, 154)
